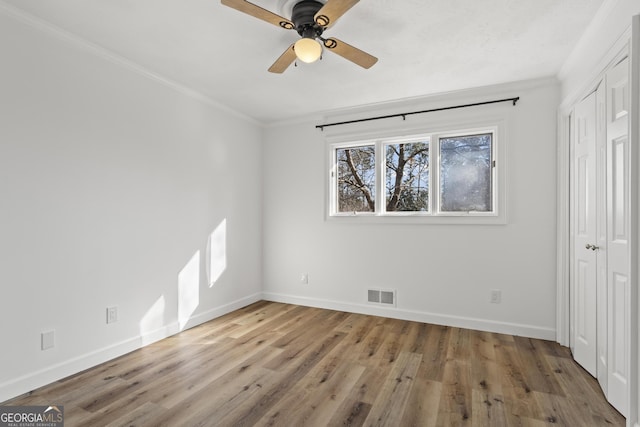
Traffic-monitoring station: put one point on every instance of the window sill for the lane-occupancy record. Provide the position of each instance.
(418, 219)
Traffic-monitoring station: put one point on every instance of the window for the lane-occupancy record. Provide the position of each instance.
(450, 174)
(356, 178)
(407, 176)
(466, 173)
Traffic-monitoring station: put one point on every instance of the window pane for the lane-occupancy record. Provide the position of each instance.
(407, 177)
(356, 179)
(465, 173)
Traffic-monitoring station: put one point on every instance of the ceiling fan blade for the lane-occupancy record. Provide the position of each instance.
(258, 12)
(332, 10)
(284, 61)
(349, 52)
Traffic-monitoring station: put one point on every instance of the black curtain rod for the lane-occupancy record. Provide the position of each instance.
(404, 115)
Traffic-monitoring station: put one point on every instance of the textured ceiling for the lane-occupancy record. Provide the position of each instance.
(423, 46)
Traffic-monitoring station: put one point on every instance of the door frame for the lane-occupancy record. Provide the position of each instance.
(634, 146)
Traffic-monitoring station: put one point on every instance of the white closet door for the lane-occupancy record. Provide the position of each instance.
(584, 325)
(618, 235)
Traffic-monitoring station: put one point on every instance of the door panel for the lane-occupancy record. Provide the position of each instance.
(618, 225)
(619, 190)
(620, 294)
(601, 238)
(584, 230)
(584, 332)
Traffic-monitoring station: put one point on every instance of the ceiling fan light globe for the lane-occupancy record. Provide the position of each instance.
(307, 50)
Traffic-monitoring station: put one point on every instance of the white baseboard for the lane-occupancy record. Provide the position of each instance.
(419, 316)
(216, 312)
(26, 383)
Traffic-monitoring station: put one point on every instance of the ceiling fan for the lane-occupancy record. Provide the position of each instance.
(310, 18)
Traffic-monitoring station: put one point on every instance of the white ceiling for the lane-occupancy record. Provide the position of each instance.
(423, 46)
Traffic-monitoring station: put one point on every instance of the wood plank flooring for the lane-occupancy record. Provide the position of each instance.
(274, 364)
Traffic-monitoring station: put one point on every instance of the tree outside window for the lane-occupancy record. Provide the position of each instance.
(407, 177)
(356, 179)
(464, 167)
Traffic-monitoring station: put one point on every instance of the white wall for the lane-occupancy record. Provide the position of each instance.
(110, 183)
(442, 273)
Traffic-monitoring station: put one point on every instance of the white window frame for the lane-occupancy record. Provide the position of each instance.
(497, 127)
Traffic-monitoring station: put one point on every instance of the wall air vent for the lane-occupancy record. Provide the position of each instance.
(381, 297)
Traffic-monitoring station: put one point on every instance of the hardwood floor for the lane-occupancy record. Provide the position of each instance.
(274, 364)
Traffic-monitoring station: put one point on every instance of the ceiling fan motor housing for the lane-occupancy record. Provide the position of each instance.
(303, 17)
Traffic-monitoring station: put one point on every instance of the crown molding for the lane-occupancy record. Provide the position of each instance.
(607, 7)
(114, 58)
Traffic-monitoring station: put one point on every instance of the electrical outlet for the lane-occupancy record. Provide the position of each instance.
(496, 296)
(304, 278)
(112, 314)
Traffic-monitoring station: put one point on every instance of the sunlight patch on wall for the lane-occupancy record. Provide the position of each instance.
(217, 252)
(188, 289)
(152, 321)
